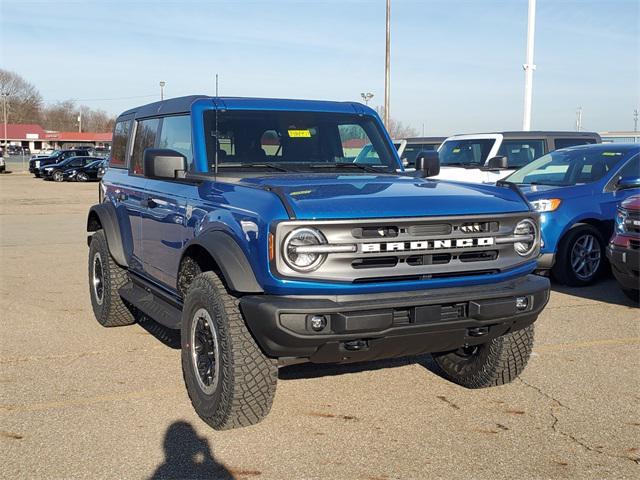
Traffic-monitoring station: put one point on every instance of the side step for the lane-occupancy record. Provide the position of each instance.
(152, 304)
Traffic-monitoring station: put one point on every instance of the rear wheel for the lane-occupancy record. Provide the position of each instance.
(106, 277)
(82, 177)
(580, 258)
(496, 362)
(57, 176)
(230, 381)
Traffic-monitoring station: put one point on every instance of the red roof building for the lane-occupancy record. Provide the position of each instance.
(36, 138)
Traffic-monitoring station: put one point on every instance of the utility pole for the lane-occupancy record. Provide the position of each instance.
(80, 122)
(387, 66)
(162, 84)
(366, 97)
(635, 120)
(529, 66)
(5, 95)
(579, 119)
(216, 84)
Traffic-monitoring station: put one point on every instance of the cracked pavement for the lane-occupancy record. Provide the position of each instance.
(81, 401)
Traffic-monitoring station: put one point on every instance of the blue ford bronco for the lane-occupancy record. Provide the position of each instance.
(254, 227)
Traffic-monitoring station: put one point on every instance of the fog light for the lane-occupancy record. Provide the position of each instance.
(318, 322)
(522, 303)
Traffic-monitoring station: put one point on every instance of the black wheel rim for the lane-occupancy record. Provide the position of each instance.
(585, 256)
(97, 278)
(205, 352)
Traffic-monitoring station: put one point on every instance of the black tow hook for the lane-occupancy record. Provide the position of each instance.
(356, 345)
(478, 331)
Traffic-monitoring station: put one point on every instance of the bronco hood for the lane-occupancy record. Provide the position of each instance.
(380, 196)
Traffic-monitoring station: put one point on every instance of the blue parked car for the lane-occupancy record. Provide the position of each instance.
(576, 190)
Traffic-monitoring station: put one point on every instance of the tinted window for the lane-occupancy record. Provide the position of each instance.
(466, 152)
(176, 135)
(146, 132)
(412, 150)
(570, 142)
(119, 148)
(521, 152)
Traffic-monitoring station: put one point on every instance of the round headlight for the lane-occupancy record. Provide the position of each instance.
(303, 261)
(525, 227)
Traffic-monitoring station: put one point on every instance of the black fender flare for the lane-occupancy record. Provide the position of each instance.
(231, 260)
(108, 219)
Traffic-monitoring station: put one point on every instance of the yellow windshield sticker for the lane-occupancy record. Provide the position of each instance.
(611, 154)
(300, 133)
(456, 150)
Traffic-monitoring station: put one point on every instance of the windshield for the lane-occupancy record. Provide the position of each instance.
(466, 153)
(296, 141)
(569, 167)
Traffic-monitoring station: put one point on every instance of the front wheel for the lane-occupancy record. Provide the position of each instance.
(580, 258)
(496, 362)
(82, 177)
(57, 176)
(230, 381)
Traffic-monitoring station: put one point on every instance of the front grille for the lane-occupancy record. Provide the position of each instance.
(634, 244)
(632, 222)
(391, 250)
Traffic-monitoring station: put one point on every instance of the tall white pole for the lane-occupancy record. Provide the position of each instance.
(387, 66)
(529, 66)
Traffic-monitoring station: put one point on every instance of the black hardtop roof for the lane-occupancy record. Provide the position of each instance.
(424, 139)
(167, 107)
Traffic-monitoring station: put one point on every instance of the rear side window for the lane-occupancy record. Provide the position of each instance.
(176, 135)
(521, 152)
(119, 146)
(570, 142)
(146, 133)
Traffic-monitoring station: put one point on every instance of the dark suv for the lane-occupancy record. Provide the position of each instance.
(250, 225)
(37, 164)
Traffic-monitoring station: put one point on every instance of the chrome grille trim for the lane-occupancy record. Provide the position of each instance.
(338, 265)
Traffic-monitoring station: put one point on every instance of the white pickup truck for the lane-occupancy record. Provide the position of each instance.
(489, 157)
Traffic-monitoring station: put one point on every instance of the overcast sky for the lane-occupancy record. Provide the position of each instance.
(456, 65)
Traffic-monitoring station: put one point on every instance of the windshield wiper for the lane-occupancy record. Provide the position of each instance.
(365, 168)
(272, 166)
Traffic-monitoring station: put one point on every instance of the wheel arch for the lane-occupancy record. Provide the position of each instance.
(218, 251)
(103, 217)
(604, 226)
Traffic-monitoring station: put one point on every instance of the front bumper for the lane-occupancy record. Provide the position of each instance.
(385, 325)
(625, 264)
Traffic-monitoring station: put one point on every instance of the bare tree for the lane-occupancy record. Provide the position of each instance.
(396, 128)
(61, 116)
(24, 102)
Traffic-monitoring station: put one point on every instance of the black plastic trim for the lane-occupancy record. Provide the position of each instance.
(106, 213)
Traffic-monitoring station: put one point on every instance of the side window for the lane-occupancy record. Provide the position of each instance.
(119, 145)
(176, 135)
(521, 152)
(146, 133)
(630, 169)
(570, 142)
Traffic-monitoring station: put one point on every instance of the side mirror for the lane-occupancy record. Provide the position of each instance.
(628, 182)
(497, 163)
(427, 164)
(163, 163)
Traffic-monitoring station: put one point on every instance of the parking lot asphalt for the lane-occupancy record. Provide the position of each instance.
(81, 401)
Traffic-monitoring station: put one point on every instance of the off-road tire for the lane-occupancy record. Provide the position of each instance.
(562, 271)
(112, 311)
(494, 363)
(246, 385)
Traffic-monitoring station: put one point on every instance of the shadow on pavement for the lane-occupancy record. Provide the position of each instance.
(606, 290)
(166, 336)
(188, 456)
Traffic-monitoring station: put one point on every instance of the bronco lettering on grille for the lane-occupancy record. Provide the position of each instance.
(427, 245)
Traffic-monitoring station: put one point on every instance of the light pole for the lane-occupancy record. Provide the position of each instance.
(529, 66)
(162, 84)
(80, 122)
(387, 66)
(635, 120)
(579, 119)
(366, 97)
